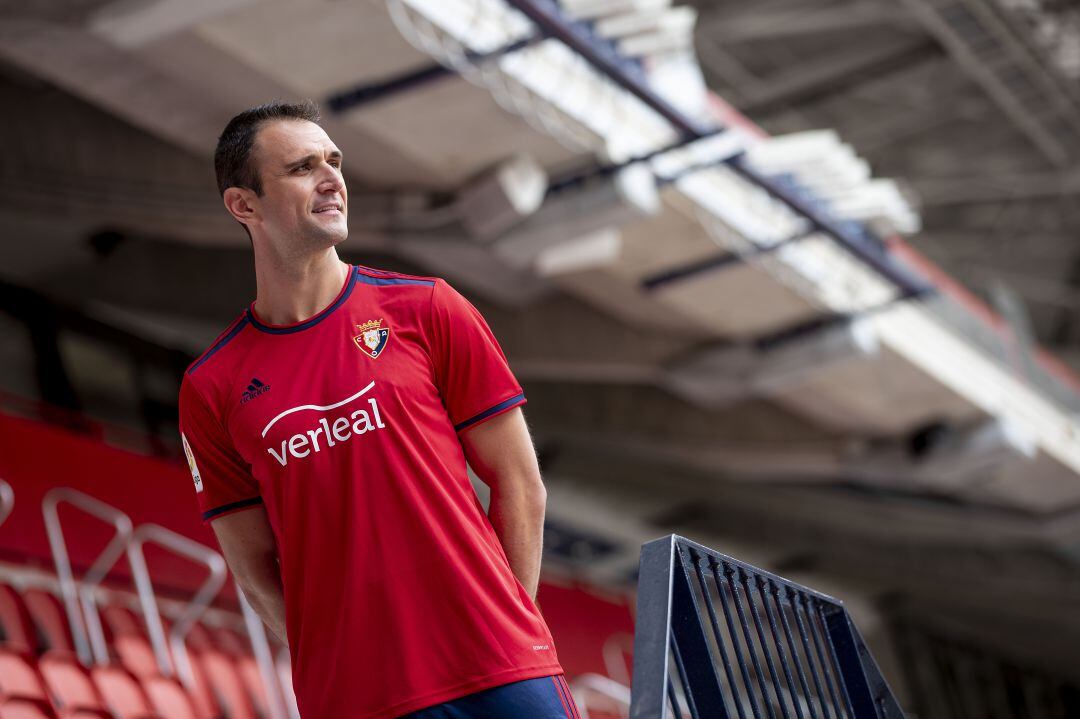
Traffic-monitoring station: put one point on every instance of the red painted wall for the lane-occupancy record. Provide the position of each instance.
(36, 457)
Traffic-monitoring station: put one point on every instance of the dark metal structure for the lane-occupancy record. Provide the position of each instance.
(717, 637)
(956, 678)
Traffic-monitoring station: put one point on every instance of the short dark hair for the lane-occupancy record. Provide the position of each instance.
(232, 158)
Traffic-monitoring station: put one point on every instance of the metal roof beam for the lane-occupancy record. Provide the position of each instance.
(756, 25)
(999, 188)
(834, 75)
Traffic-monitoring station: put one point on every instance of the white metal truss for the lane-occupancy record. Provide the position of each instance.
(545, 83)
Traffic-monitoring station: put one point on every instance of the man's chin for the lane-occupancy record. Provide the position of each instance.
(330, 236)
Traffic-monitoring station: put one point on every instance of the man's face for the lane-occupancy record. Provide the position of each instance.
(304, 205)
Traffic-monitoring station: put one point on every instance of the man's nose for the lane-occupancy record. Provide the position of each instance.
(331, 181)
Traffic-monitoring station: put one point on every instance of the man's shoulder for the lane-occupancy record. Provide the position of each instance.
(212, 352)
(374, 276)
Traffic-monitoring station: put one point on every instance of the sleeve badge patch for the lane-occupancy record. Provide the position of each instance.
(372, 338)
(191, 463)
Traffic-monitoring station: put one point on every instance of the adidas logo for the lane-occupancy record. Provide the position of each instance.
(254, 389)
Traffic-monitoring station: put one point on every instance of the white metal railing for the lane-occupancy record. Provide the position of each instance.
(7, 501)
(264, 658)
(587, 689)
(284, 670)
(77, 603)
(80, 595)
(180, 663)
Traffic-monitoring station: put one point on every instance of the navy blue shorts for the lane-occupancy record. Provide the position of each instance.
(541, 698)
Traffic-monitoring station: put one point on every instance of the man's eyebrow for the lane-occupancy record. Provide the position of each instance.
(335, 155)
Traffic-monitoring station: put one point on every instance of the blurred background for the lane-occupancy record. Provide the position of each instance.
(796, 279)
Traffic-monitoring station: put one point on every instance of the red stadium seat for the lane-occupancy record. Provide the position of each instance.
(70, 686)
(202, 694)
(22, 693)
(22, 710)
(136, 655)
(16, 627)
(227, 684)
(253, 683)
(169, 699)
(231, 642)
(134, 652)
(19, 679)
(48, 614)
(237, 646)
(122, 621)
(199, 638)
(122, 693)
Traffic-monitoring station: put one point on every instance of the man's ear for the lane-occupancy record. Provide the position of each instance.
(240, 202)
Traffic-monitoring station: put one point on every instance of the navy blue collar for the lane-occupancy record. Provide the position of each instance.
(311, 321)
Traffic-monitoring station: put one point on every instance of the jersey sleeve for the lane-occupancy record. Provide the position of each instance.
(223, 480)
(471, 371)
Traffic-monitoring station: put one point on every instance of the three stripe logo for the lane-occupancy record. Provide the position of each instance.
(255, 388)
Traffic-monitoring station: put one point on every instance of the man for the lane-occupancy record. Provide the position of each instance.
(328, 429)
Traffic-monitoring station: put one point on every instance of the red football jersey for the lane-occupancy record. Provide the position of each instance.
(398, 594)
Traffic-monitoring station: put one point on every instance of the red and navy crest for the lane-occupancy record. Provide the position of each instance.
(372, 338)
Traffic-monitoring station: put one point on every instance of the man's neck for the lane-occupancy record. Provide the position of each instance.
(294, 291)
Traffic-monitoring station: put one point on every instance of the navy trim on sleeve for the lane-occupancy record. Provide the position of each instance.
(240, 324)
(490, 411)
(231, 506)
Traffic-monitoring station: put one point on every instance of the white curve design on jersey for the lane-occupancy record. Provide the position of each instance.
(317, 407)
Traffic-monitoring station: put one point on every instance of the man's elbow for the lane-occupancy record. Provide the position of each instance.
(526, 490)
(536, 498)
(257, 572)
(540, 494)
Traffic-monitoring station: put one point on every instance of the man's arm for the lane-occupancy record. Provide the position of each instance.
(250, 550)
(501, 453)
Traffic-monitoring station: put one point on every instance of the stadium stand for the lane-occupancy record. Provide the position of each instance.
(41, 675)
(53, 683)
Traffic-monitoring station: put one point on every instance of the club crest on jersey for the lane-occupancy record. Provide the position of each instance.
(372, 338)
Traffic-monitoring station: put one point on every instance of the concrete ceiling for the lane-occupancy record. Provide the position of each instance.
(996, 206)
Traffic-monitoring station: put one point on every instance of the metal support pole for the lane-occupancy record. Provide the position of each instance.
(652, 636)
